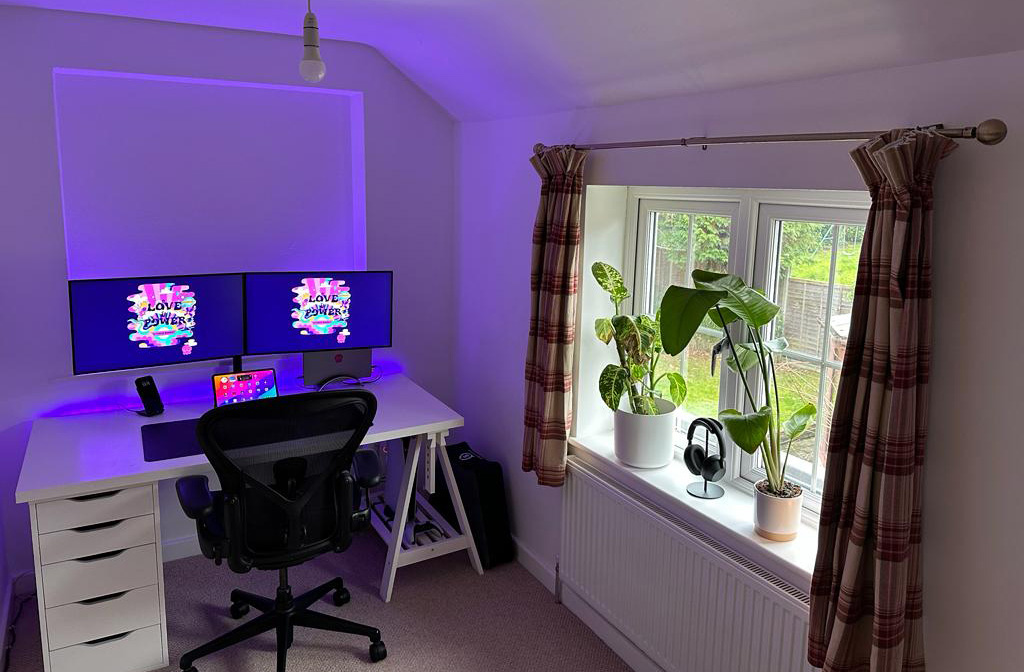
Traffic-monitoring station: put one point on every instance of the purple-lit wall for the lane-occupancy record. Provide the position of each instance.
(410, 208)
(972, 544)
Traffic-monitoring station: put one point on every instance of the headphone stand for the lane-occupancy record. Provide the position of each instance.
(705, 490)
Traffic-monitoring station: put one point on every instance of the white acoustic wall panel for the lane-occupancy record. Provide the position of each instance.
(167, 175)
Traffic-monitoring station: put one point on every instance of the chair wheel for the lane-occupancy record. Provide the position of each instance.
(238, 610)
(342, 597)
(378, 652)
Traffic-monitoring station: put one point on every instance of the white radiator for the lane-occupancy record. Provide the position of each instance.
(685, 600)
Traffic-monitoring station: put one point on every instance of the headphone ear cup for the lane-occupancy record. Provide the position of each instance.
(694, 457)
(713, 469)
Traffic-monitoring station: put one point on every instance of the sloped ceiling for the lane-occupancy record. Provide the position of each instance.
(499, 58)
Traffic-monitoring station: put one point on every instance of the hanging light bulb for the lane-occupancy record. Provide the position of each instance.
(311, 67)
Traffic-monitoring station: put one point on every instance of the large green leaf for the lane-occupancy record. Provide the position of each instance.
(797, 423)
(604, 329)
(676, 387)
(610, 280)
(776, 344)
(612, 384)
(748, 358)
(682, 310)
(628, 336)
(746, 303)
(747, 430)
(650, 333)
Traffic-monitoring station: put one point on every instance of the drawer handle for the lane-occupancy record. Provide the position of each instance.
(100, 556)
(95, 495)
(105, 598)
(104, 640)
(97, 526)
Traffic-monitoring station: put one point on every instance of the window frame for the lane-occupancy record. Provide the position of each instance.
(750, 241)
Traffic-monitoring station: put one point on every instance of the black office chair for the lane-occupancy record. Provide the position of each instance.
(288, 494)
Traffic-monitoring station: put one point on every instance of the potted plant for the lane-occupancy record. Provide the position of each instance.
(726, 300)
(645, 423)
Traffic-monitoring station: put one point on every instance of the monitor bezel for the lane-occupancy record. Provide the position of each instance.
(143, 278)
(245, 315)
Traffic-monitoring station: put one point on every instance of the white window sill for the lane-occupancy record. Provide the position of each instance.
(728, 519)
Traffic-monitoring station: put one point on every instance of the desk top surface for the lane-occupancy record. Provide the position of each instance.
(79, 454)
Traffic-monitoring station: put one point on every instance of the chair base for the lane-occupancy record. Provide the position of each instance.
(282, 615)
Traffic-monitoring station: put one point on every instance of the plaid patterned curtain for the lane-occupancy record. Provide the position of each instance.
(554, 279)
(866, 611)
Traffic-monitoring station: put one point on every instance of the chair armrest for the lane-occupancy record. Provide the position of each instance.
(194, 496)
(366, 468)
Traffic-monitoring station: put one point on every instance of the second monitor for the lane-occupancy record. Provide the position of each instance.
(303, 312)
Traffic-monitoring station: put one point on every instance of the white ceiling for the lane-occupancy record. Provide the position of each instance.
(498, 58)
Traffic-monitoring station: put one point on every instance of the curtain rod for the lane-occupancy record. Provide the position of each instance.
(988, 132)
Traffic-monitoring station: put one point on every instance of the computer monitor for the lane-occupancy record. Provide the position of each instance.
(128, 323)
(317, 310)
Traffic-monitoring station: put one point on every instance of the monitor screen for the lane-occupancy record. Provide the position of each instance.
(317, 310)
(129, 323)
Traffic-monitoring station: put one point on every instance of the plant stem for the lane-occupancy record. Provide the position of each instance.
(732, 349)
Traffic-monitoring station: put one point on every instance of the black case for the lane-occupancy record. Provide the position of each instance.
(482, 487)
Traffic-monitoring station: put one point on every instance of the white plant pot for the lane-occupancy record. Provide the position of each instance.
(646, 441)
(777, 518)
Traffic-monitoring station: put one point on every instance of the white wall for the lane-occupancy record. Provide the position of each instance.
(410, 207)
(972, 544)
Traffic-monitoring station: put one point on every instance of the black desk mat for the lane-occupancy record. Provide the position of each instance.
(169, 440)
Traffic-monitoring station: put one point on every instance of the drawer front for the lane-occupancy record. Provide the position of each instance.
(64, 514)
(86, 621)
(96, 538)
(95, 576)
(137, 650)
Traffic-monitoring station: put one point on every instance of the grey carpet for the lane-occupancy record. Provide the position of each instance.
(443, 618)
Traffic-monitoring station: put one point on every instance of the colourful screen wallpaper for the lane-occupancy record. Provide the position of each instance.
(165, 313)
(323, 308)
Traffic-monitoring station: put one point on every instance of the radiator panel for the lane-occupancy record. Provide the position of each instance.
(688, 602)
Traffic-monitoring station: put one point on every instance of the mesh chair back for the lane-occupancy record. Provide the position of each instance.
(284, 467)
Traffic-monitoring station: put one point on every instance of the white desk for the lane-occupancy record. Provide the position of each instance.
(96, 523)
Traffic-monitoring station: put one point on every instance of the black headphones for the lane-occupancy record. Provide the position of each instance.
(710, 468)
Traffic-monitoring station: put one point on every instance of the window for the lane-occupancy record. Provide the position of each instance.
(676, 237)
(802, 248)
(807, 260)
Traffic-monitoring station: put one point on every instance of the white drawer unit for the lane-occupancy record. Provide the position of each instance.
(102, 616)
(141, 649)
(97, 538)
(99, 575)
(100, 507)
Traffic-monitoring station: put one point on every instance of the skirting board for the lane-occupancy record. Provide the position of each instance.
(609, 634)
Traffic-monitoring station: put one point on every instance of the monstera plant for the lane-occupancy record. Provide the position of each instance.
(743, 313)
(638, 344)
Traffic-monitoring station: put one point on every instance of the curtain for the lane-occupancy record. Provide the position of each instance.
(866, 607)
(554, 280)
